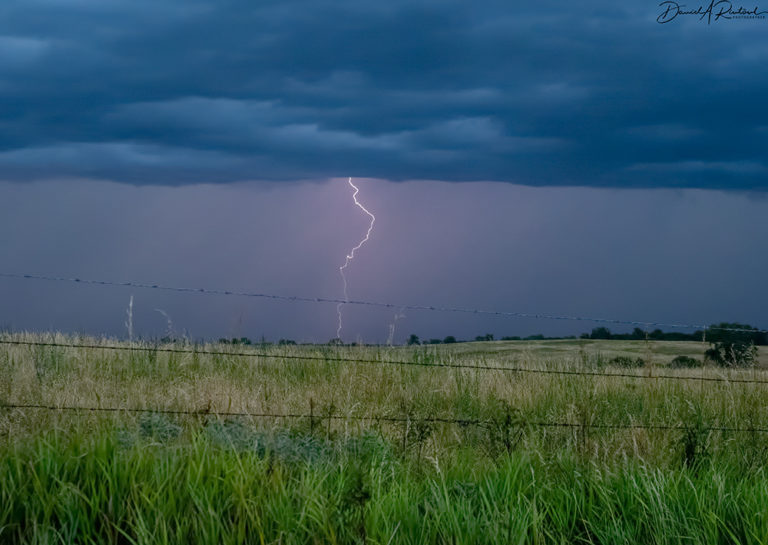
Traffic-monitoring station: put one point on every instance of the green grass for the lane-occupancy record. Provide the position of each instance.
(86, 477)
(75, 489)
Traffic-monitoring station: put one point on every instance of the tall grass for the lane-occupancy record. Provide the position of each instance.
(77, 489)
(155, 478)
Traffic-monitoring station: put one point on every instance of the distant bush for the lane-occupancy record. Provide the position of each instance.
(600, 333)
(685, 361)
(450, 339)
(624, 361)
(241, 340)
(733, 344)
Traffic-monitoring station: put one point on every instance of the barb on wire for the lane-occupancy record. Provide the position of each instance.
(309, 357)
(296, 298)
(372, 418)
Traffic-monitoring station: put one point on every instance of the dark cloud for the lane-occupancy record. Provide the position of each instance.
(552, 93)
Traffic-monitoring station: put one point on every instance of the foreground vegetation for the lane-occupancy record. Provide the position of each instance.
(76, 490)
(337, 474)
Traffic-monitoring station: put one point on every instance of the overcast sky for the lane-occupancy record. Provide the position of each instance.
(557, 157)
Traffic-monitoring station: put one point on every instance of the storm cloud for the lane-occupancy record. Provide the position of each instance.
(592, 93)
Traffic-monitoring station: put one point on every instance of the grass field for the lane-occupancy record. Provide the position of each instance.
(535, 457)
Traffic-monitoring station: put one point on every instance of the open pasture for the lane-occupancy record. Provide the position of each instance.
(498, 442)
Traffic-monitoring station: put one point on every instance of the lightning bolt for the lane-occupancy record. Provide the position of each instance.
(351, 254)
(169, 323)
(398, 316)
(129, 320)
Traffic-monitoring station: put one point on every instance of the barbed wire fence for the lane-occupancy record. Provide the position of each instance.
(141, 347)
(134, 347)
(518, 422)
(433, 308)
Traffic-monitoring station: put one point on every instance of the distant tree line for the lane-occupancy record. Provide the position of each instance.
(727, 345)
(639, 334)
(450, 339)
(241, 340)
(263, 342)
(713, 334)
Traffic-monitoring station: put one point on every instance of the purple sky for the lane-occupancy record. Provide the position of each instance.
(657, 255)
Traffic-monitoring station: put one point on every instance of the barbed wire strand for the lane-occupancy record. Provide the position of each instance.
(373, 418)
(318, 357)
(297, 298)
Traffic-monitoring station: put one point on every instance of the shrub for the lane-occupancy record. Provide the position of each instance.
(624, 361)
(600, 333)
(685, 361)
(732, 354)
(731, 348)
(158, 427)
